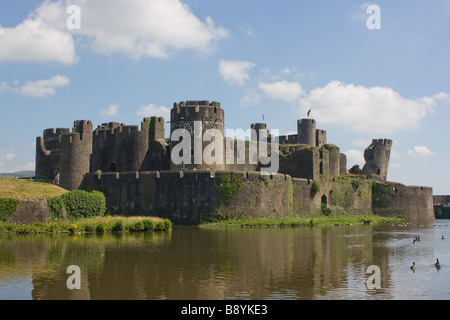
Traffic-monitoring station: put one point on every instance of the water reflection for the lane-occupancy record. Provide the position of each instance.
(192, 263)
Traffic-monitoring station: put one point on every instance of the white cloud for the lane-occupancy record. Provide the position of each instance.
(375, 110)
(355, 157)
(110, 111)
(44, 88)
(283, 90)
(135, 28)
(34, 40)
(420, 151)
(154, 110)
(235, 71)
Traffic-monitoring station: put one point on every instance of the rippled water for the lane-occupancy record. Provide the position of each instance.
(191, 263)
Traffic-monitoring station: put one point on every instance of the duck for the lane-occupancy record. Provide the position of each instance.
(437, 264)
(442, 237)
(413, 267)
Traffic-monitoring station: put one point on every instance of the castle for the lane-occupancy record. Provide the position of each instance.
(143, 172)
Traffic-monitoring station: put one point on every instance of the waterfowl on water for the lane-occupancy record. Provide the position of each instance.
(437, 264)
(442, 237)
(413, 267)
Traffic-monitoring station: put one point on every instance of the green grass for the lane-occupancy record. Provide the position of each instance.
(301, 221)
(91, 225)
(20, 189)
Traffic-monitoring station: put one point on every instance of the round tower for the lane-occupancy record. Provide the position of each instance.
(76, 149)
(132, 147)
(262, 133)
(306, 130)
(196, 118)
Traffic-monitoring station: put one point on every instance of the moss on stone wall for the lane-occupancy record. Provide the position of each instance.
(228, 186)
(365, 193)
(380, 193)
(315, 187)
(291, 210)
(342, 195)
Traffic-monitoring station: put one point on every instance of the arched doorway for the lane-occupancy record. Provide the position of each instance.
(324, 201)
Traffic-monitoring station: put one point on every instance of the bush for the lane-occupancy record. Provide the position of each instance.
(89, 228)
(7, 208)
(82, 204)
(149, 225)
(118, 226)
(160, 226)
(56, 206)
(163, 225)
(101, 228)
(355, 184)
(325, 210)
(315, 187)
(138, 226)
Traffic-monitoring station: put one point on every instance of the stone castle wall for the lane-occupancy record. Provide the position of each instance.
(414, 203)
(190, 197)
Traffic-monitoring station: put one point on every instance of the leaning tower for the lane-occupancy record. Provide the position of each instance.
(196, 117)
(377, 158)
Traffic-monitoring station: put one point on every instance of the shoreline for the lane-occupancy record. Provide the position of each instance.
(331, 220)
(104, 224)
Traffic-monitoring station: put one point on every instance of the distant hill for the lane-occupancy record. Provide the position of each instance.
(19, 174)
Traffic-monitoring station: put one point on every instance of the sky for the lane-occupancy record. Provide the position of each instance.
(367, 70)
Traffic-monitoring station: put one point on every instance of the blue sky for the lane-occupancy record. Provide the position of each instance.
(133, 58)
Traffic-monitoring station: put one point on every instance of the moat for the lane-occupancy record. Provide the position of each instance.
(227, 264)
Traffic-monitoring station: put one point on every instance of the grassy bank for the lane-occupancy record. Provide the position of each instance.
(19, 189)
(91, 225)
(301, 221)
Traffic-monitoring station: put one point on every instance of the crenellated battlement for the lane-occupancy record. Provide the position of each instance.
(195, 175)
(382, 142)
(51, 133)
(194, 103)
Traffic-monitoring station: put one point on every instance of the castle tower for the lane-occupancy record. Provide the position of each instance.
(306, 130)
(105, 148)
(334, 165)
(48, 149)
(377, 158)
(321, 138)
(196, 117)
(261, 131)
(76, 149)
(157, 157)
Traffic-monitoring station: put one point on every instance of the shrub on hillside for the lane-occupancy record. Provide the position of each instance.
(56, 207)
(78, 204)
